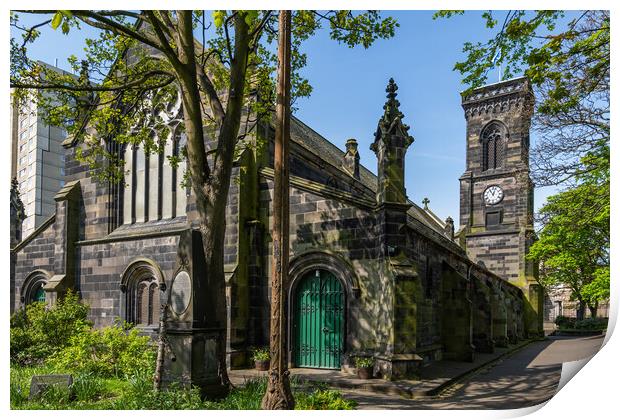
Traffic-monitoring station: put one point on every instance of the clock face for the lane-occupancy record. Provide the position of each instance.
(493, 195)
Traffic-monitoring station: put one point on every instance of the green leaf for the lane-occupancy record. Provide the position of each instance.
(218, 17)
(250, 16)
(56, 20)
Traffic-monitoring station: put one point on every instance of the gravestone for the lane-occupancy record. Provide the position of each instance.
(40, 383)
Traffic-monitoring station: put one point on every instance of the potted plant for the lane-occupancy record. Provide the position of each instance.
(261, 358)
(364, 367)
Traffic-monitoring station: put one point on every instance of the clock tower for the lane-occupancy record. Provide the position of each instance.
(497, 194)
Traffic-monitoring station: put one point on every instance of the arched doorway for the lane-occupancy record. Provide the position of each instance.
(318, 320)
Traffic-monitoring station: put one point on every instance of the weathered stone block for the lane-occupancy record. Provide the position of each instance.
(39, 384)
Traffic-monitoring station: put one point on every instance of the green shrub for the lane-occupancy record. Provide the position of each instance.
(247, 397)
(364, 362)
(37, 332)
(88, 387)
(113, 351)
(591, 324)
(261, 354)
(565, 322)
(135, 392)
(323, 399)
(174, 398)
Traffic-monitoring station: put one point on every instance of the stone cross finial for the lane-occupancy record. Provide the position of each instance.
(426, 201)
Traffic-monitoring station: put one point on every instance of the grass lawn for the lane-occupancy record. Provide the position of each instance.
(90, 392)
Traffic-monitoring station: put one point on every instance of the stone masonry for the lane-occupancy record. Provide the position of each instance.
(412, 294)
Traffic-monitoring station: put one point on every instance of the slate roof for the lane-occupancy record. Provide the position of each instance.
(309, 139)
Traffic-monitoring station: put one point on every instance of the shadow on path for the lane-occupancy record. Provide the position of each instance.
(527, 378)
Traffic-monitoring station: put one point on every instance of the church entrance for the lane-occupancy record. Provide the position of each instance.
(318, 321)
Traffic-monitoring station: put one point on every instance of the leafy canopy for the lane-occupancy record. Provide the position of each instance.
(128, 79)
(574, 243)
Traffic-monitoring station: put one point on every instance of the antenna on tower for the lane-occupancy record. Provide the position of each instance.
(56, 62)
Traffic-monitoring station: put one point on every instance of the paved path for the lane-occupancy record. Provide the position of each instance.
(432, 379)
(526, 378)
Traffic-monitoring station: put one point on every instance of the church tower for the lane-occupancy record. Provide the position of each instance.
(497, 194)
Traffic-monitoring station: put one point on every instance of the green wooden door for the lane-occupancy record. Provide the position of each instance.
(318, 326)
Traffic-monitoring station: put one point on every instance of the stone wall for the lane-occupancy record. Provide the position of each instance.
(499, 253)
(35, 253)
(102, 264)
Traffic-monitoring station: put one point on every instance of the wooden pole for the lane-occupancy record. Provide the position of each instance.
(278, 395)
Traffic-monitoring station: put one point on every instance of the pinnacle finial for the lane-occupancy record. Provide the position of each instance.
(391, 89)
(392, 104)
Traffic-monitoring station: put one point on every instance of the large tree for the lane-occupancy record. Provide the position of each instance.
(221, 66)
(574, 243)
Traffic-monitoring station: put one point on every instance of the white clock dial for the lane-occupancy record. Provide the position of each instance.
(493, 195)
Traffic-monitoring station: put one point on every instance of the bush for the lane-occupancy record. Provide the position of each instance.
(174, 398)
(364, 362)
(323, 399)
(87, 387)
(565, 322)
(261, 354)
(591, 324)
(114, 351)
(37, 332)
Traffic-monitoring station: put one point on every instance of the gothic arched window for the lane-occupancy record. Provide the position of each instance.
(32, 289)
(152, 185)
(141, 285)
(492, 138)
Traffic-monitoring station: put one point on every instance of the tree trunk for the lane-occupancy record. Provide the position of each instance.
(161, 346)
(593, 310)
(581, 310)
(278, 395)
(211, 187)
(213, 229)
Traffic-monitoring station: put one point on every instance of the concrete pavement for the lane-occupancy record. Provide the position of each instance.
(433, 379)
(528, 377)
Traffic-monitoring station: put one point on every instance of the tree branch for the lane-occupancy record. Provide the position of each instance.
(77, 88)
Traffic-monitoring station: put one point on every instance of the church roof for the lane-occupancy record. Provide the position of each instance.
(309, 139)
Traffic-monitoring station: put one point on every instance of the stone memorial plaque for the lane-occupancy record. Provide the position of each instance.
(40, 383)
(181, 292)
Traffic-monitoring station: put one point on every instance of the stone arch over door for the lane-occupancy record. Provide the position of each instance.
(32, 288)
(336, 275)
(141, 285)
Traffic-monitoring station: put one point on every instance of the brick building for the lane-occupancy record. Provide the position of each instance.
(370, 271)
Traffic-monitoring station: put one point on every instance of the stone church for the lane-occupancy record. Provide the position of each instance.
(371, 273)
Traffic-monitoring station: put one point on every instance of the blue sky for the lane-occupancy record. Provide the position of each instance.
(349, 93)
